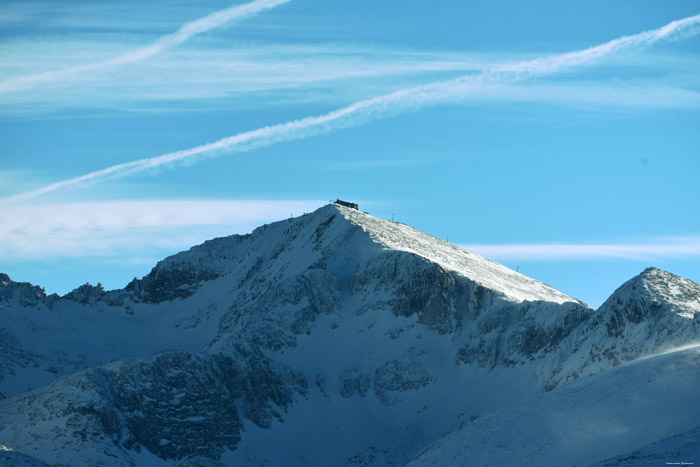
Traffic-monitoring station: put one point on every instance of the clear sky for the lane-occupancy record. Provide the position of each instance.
(516, 129)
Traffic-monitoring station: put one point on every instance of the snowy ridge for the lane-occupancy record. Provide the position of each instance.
(483, 271)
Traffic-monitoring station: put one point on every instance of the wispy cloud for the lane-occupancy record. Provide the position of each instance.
(104, 228)
(244, 76)
(187, 31)
(79, 229)
(233, 74)
(385, 106)
(656, 249)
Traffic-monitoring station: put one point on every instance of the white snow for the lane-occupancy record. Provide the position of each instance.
(492, 275)
(589, 421)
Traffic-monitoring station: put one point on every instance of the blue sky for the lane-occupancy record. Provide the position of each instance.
(518, 130)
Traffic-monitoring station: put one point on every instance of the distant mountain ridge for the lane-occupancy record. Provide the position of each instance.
(335, 326)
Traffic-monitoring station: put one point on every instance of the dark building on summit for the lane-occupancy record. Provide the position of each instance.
(347, 204)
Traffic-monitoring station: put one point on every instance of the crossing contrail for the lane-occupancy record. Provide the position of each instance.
(385, 105)
(187, 31)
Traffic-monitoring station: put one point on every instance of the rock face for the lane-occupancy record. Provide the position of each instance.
(334, 338)
(180, 275)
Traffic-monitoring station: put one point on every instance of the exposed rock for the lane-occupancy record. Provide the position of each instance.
(353, 382)
(397, 376)
(26, 294)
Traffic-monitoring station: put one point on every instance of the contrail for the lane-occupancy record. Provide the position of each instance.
(187, 31)
(384, 106)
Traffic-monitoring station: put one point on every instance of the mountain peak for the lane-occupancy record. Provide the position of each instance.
(663, 286)
(650, 296)
(653, 274)
(398, 236)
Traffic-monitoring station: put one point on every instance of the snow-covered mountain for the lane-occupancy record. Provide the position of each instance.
(335, 338)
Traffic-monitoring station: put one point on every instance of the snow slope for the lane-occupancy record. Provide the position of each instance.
(486, 273)
(9, 457)
(614, 412)
(331, 339)
(681, 449)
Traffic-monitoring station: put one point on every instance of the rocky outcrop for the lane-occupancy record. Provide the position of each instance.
(176, 405)
(23, 293)
(180, 275)
(394, 377)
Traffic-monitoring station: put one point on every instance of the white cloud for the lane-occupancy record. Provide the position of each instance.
(76, 229)
(382, 106)
(656, 249)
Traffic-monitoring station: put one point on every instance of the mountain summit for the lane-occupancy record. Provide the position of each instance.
(329, 339)
(484, 272)
(339, 228)
(653, 293)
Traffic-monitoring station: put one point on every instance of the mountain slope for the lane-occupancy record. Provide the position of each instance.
(585, 422)
(681, 449)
